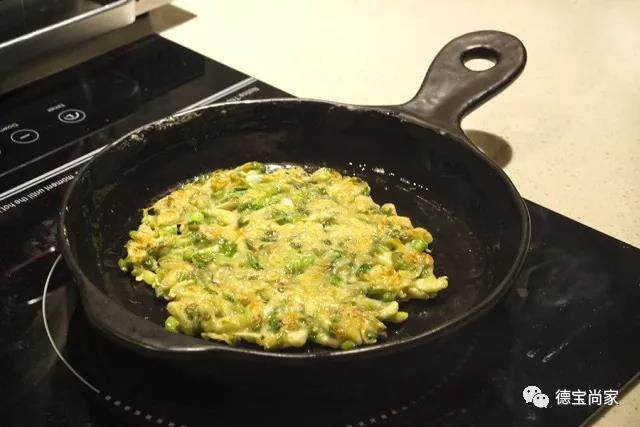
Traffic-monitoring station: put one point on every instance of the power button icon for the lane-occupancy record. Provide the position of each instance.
(71, 116)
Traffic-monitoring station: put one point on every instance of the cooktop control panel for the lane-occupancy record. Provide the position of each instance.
(59, 122)
(36, 123)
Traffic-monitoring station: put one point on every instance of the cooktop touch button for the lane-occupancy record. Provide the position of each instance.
(24, 136)
(71, 115)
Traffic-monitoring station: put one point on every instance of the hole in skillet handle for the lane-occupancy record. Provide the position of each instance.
(479, 59)
(452, 89)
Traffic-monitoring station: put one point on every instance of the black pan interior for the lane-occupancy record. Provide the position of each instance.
(435, 180)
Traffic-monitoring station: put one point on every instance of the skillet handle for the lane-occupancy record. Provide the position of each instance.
(450, 90)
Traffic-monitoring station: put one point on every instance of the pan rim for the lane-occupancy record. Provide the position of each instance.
(206, 348)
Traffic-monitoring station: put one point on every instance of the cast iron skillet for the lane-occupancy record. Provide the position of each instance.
(414, 155)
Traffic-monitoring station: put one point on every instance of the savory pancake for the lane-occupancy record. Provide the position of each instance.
(281, 257)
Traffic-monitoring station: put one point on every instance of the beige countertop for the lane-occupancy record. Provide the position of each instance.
(571, 120)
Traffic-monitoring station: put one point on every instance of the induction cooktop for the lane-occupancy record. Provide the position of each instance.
(569, 326)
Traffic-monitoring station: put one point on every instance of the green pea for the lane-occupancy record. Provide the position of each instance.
(172, 324)
(347, 345)
(196, 217)
(148, 277)
(170, 229)
(123, 264)
(418, 244)
(401, 316)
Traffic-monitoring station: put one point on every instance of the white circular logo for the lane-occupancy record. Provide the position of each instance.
(529, 392)
(533, 394)
(540, 400)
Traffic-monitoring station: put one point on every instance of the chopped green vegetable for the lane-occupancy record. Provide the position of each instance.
(253, 262)
(364, 268)
(273, 321)
(300, 264)
(252, 205)
(150, 263)
(281, 217)
(326, 222)
(197, 237)
(227, 248)
(203, 257)
(270, 236)
(399, 262)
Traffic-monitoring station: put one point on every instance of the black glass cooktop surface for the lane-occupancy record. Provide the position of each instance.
(570, 323)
